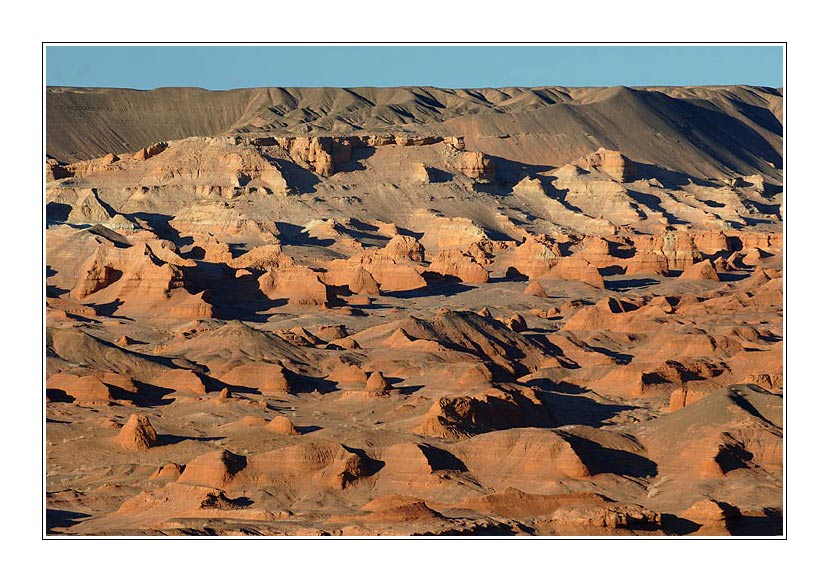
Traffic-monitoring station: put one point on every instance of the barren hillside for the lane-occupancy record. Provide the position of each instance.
(547, 311)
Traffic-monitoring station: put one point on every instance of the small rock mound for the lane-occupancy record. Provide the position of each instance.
(455, 263)
(577, 269)
(397, 508)
(404, 247)
(516, 322)
(714, 517)
(378, 384)
(534, 288)
(355, 278)
(150, 151)
(266, 377)
(282, 425)
(491, 409)
(168, 471)
(298, 284)
(345, 343)
(348, 374)
(180, 379)
(137, 434)
(214, 469)
(422, 173)
(701, 270)
(608, 518)
(81, 388)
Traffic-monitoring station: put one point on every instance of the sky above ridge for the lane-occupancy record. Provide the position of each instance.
(229, 67)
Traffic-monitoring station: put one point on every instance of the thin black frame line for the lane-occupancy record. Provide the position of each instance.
(44, 537)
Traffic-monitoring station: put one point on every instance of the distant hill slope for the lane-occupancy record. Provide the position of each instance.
(702, 131)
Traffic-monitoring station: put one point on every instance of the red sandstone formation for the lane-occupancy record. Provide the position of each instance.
(137, 434)
(345, 318)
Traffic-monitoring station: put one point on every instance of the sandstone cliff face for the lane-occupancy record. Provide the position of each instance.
(454, 263)
(664, 252)
(475, 165)
(610, 162)
(299, 285)
(701, 270)
(405, 248)
(389, 274)
(321, 154)
(150, 151)
(536, 256)
(137, 279)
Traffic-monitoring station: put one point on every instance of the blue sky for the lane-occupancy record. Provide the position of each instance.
(228, 67)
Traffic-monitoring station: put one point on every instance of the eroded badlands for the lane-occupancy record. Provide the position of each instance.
(350, 312)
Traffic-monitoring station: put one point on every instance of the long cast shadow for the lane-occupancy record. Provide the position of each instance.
(306, 429)
(62, 519)
(602, 460)
(299, 180)
(673, 524)
(771, 524)
(355, 162)
(371, 465)
(448, 287)
(168, 439)
(147, 396)
(629, 283)
(291, 234)
(567, 405)
(655, 205)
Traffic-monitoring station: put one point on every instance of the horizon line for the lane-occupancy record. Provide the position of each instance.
(416, 86)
